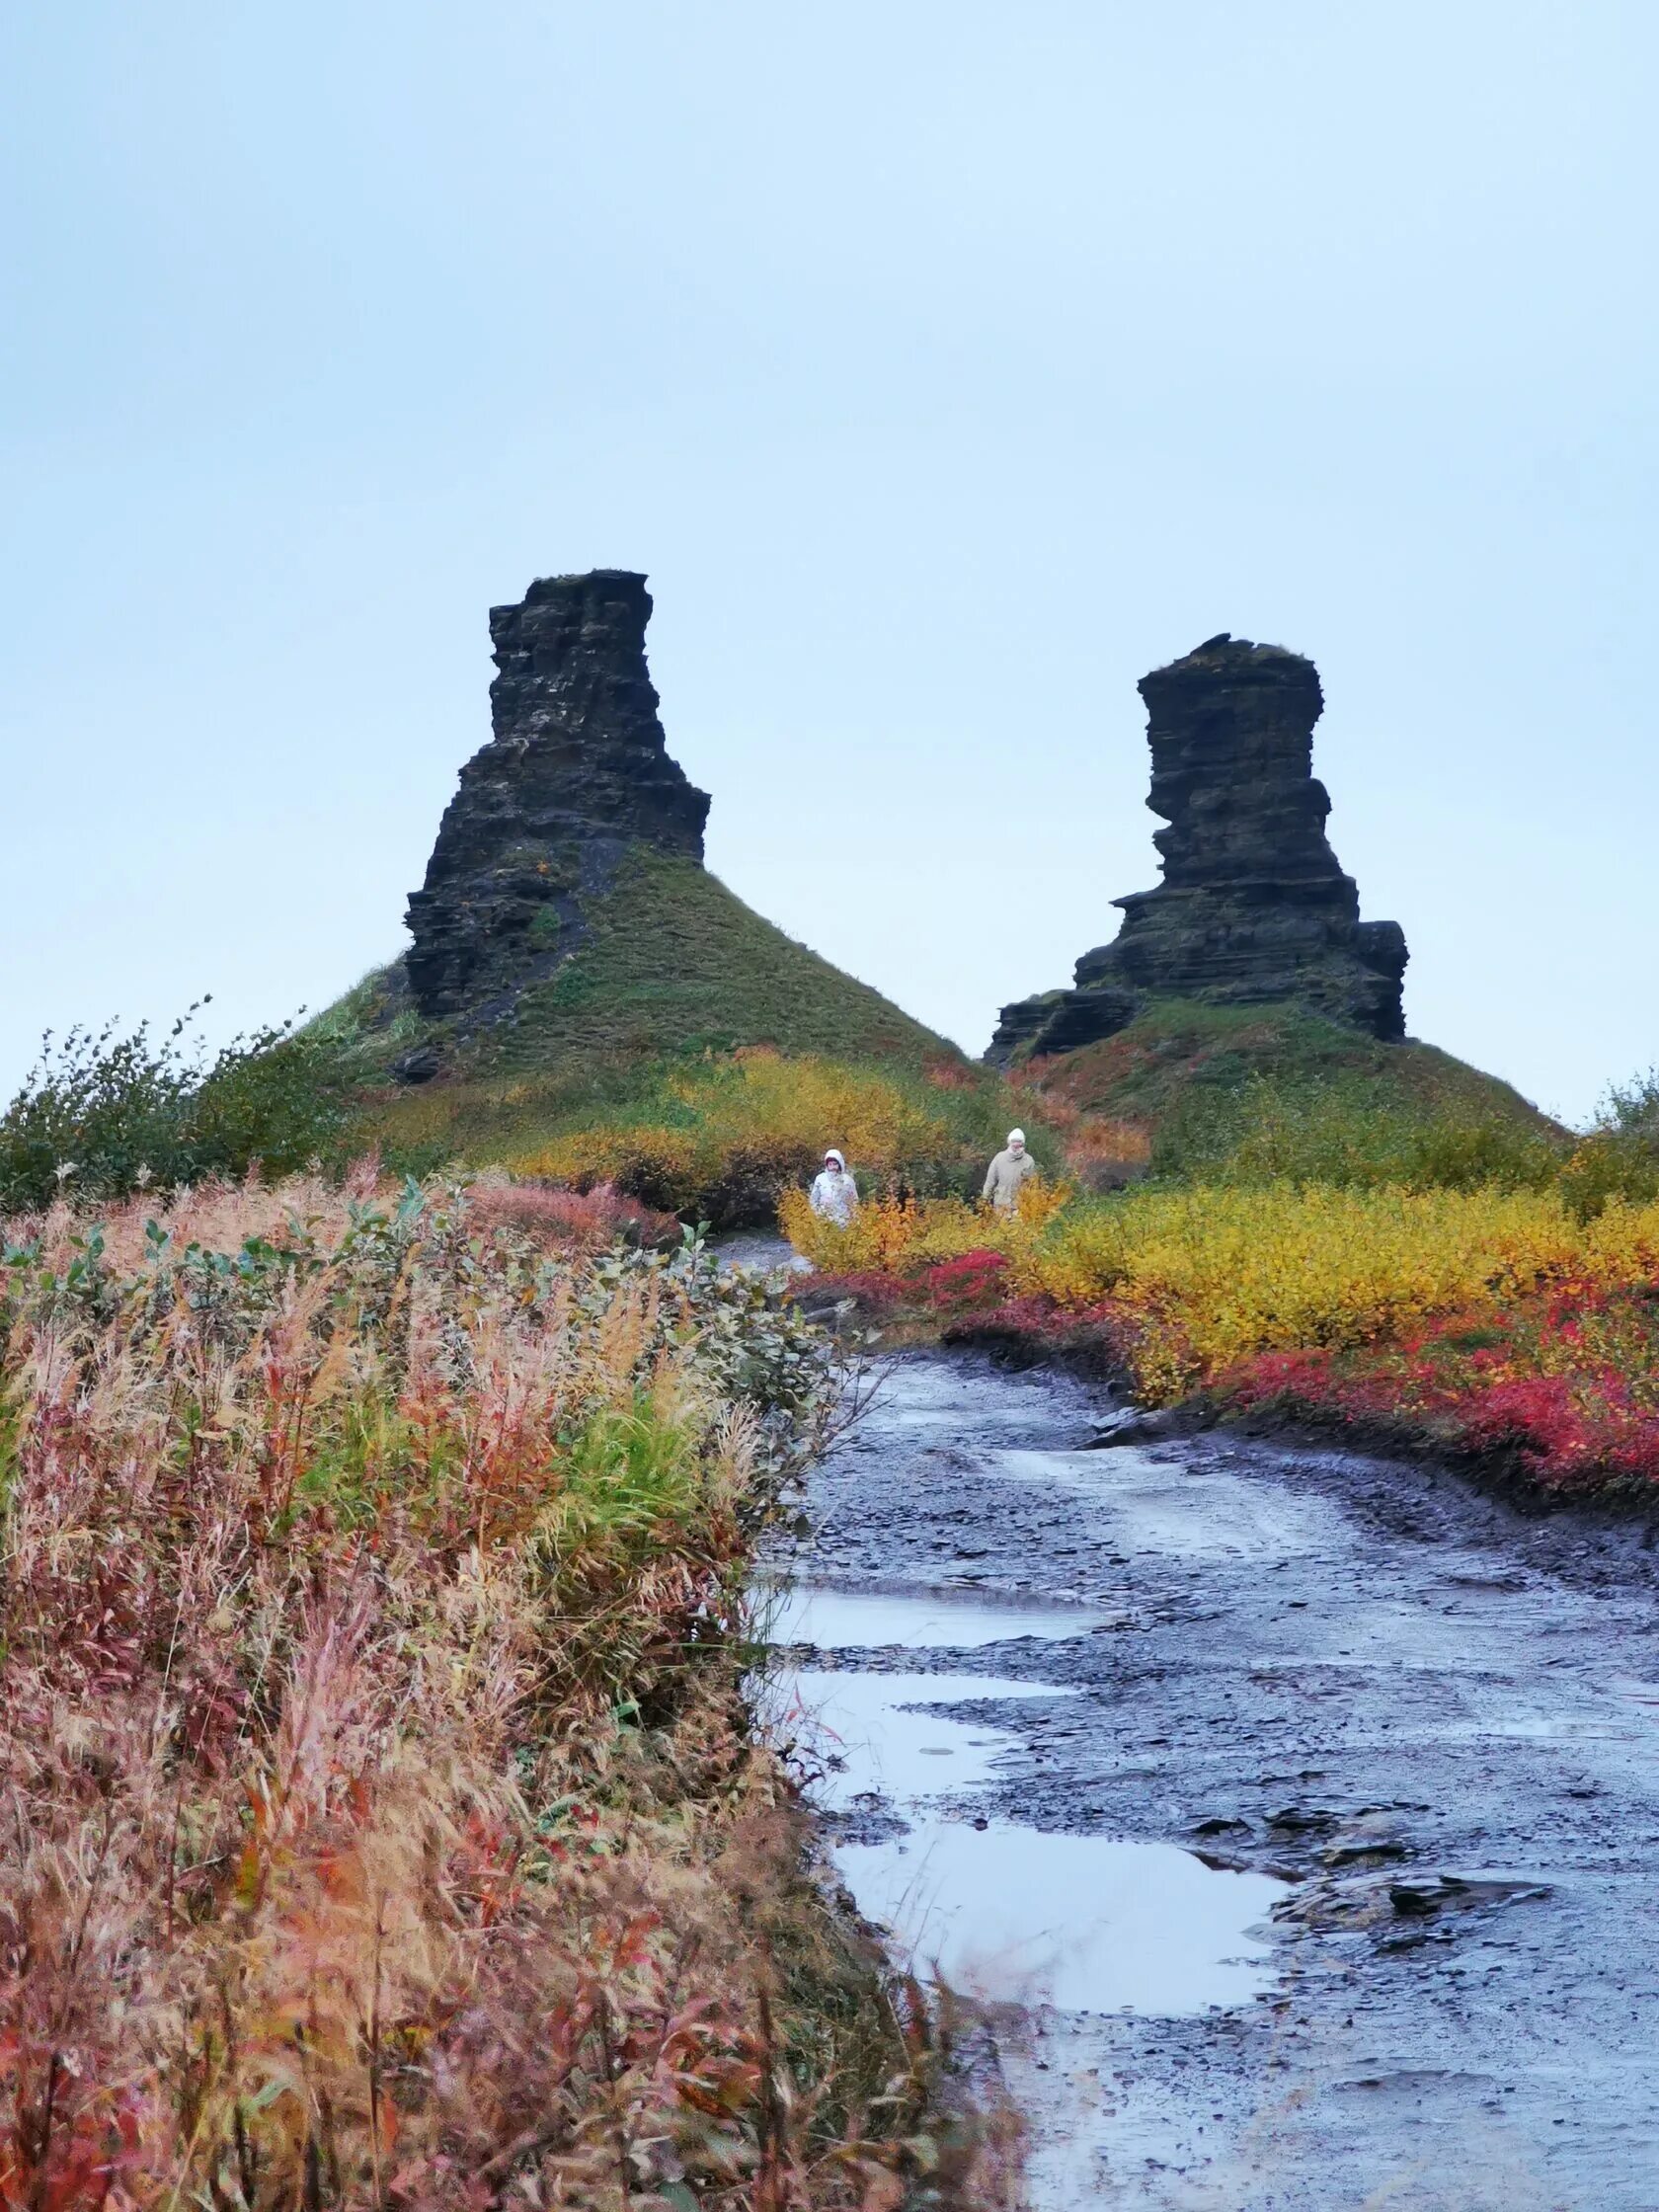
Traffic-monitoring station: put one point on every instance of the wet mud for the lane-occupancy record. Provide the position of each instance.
(1308, 1802)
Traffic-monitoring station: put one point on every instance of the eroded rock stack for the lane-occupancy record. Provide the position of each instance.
(1253, 908)
(577, 772)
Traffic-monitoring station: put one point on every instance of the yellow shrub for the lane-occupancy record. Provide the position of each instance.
(893, 1236)
(614, 1156)
(756, 1119)
(1222, 1273)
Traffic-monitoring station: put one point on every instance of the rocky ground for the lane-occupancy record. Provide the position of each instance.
(1368, 1763)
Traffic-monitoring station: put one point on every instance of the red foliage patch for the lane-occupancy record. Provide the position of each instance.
(971, 1281)
(1563, 1384)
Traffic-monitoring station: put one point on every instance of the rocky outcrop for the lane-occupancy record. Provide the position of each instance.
(576, 774)
(1253, 908)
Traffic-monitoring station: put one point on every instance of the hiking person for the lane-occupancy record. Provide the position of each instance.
(835, 1194)
(1008, 1174)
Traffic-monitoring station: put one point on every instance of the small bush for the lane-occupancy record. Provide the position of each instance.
(1619, 1157)
(968, 1283)
(566, 1221)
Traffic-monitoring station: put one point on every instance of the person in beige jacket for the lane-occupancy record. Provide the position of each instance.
(1008, 1172)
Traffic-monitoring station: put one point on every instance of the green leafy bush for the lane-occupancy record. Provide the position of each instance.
(106, 1113)
(1619, 1157)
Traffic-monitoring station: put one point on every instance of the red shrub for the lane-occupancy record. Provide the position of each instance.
(971, 1279)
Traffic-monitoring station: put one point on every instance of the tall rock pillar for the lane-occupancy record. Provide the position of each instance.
(576, 771)
(1253, 908)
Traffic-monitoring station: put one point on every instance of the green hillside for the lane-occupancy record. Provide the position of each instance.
(676, 970)
(1271, 1091)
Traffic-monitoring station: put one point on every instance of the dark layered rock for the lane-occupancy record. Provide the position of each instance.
(1253, 908)
(576, 774)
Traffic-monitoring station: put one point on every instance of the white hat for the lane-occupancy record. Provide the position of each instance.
(831, 1153)
(1016, 1136)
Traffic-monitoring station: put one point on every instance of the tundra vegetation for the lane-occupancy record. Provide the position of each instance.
(1435, 1270)
(383, 1825)
(1257, 1209)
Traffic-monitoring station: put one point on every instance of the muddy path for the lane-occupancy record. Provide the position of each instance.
(1309, 1802)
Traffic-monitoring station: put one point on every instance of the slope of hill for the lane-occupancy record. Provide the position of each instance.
(1265, 1091)
(674, 974)
(1152, 1068)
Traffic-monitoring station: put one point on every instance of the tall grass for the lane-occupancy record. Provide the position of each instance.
(381, 1823)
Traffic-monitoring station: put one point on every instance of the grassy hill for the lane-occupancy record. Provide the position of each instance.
(1259, 1093)
(1146, 1071)
(652, 1056)
(676, 963)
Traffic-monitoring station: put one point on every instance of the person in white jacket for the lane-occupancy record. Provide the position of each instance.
(1008, 1174)
(835, 1194)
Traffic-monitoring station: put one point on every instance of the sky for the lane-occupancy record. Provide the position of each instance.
(946, 366)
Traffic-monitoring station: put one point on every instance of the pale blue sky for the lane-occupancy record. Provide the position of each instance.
(946, 365)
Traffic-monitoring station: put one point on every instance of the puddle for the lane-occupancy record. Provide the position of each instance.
(1541, 1728)
(871, 1621)
(761, 1253)
(875, 1735)
(1085, 1923)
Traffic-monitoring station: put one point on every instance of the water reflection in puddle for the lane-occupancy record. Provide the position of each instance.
(1084, 1922)
(879, 1736)
(940, 1621)
(1087, 1923)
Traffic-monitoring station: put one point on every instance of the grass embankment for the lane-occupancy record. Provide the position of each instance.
(1459, 1273)
(382, 1823)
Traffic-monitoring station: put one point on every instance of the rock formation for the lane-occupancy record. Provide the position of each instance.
(576, 771)
(1253, 908)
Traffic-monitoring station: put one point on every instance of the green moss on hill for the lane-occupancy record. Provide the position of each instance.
(1147, 1069)
(1259, 1094)
(675, 965)
(678, 963)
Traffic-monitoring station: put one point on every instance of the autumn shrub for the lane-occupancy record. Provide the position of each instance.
(1098, 1151)
(1567, 1385)
(905, 1235)
(972, 1280)
(1618, 1158)
(383, 1827)
(1221, 1273)
(554, 1216)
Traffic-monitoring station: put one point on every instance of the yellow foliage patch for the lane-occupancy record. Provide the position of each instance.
(1204, 1277)
(1245, 1271)
(897, 1237)
(775, 1116)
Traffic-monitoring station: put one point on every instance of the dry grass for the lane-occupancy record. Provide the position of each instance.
(380, 1825)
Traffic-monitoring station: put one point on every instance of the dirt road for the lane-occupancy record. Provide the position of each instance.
(1320, 1794)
